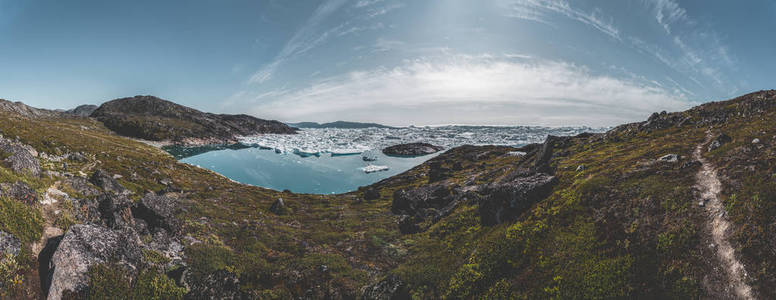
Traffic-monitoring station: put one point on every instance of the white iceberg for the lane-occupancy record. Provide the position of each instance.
(374, 168)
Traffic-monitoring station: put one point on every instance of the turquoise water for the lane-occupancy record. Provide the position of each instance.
(322, 174)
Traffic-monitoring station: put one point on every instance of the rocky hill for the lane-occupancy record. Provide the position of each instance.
(82, 110)
(151, 118)
(682, 205)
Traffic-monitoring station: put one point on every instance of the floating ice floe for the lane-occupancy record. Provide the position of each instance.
(338, 141)
(374, 168)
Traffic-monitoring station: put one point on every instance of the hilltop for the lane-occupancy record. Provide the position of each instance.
(681, 206)
(154, 119)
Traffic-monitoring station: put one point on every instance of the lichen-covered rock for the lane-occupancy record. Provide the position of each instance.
(158, 211)
(9, 244)
(115, 210)
(20, 158)
(84, 246)
(670, 158)
(81, 186)
(414, 201)
(412, 149)
(718, 141)
(505, 201)
(19, 191)
(390, 288)
(278, 207)
(107, 183)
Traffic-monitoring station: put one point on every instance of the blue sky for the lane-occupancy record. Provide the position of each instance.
(399, 62)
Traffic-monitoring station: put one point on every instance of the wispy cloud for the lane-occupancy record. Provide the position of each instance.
(483, 89)
(538, 10)
(668, 12)
(303, 40)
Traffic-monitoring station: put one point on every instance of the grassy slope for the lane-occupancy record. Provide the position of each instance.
(623, 227)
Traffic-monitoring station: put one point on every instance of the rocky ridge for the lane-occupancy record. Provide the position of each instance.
(154, 119)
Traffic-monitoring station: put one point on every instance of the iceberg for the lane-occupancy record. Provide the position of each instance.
(374, 168)
(339, 141)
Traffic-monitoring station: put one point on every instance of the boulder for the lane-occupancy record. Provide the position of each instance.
(412, 149)
(20, 158)
(9, 244)
(158, 212)
(409, 224)
(391, 287)
(84, 246)
(81, 186)
(115, 210)
(503, 202)
(19, 191)
(718, 141)
(371, 193)
(414, 201)
(670, 158)
(107, 183)
(278, 207)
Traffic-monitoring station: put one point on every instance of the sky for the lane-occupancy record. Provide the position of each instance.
(397, 62)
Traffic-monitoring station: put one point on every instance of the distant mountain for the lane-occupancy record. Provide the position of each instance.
(82, 110)
(151, 118)
(338, 124)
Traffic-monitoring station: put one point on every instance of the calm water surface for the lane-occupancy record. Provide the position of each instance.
(322, 174)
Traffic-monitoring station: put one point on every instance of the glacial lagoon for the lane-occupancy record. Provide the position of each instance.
(326, 161)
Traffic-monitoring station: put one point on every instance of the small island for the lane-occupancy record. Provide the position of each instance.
(412, 149)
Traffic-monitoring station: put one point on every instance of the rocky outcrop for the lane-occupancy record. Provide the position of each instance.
(9, 244)
(107, 183)
(19, 158)
(158, 212)
(24, 110)
(718, 141)
(19, 191)
(82, 110)
(390, 288)
(412, 149)
(278, 207)
(151, 118)
(505, 201)
(84, 246)
(115, 210)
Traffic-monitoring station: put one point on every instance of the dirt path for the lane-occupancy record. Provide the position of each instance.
(710, 187)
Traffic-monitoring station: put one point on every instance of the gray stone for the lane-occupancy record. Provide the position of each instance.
(391, 287)
(21, 158)
(671, 158)
(107, 183)
(158, 212)
(84, 246)
(278, 207)
(506, 201)
(9, 244)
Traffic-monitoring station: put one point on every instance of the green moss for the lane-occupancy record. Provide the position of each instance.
(21, 220)
(108, 281)
(153, 285)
